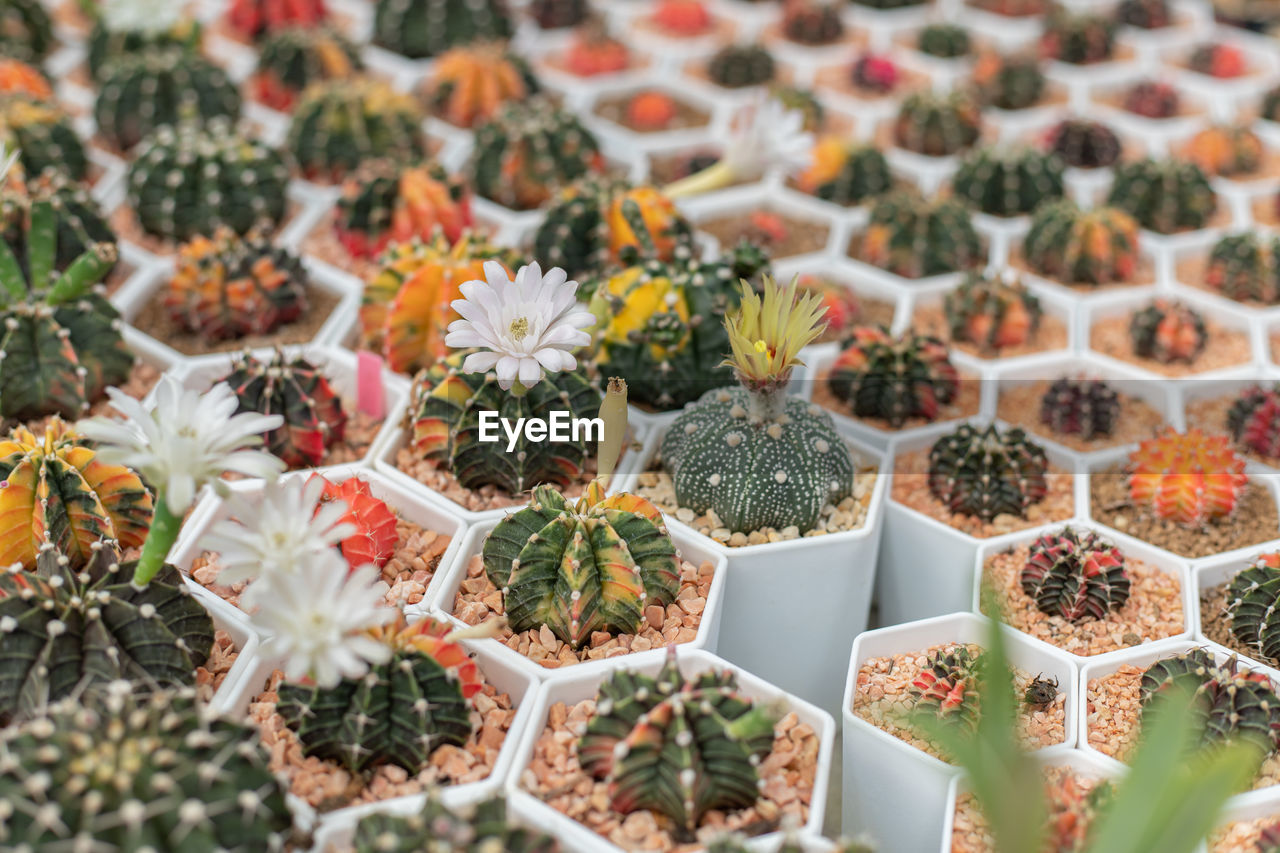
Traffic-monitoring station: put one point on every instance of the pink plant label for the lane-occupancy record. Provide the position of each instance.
(369, 396)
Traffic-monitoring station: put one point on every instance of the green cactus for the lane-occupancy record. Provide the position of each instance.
(445, 414)
(142, 92)
(1008, 182)
(1168, 332)
(916, 237)
(582, 567)
(1076, 575)
(675, 745)
(1254, 420)
(1084, 144)
(937, 124)
(1075, 246)
(1078, 38)
(1089, 408)
(339, 124)
(43, 134)
(1164, 195)
(1269, 109)
(79, 222)
(992, 312)
(737, 66)
(894, 379)
(26, 29)
(1245, 267)
(1234, 705)
(946, 41)
(115, 771)
(986, 472)
(189, 180)
(72, 627)
(484, 828)
(1145, 14)
(293, 59)
(420, 29)
(1007, 82)
(530, 151)
(846, 172)
(814, 23)
(946, 689)
(106, 43)
(60, 339)
(1252, 599)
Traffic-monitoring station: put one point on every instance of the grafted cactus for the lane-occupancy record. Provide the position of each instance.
(384, 202)
(375, 538)
(1254, 420)
(992, 312)
(1253, 606)
(1076, 575)
(986, 472)
(1232, 704)
(486, 829)
(879, 376)
(1188, 478)
(946, 689)
(1168, 331)
(1089, 408)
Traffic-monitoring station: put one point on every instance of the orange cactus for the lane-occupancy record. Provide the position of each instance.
(826, 162)
(1187, 478)
(593, 51)
(20, 78)
(384, 203)
(469, 83)
(682, 17)
(651, 111)
(436, 639)
(658, 213)
(376, 537)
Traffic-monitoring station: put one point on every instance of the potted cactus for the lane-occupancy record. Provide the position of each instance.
(1235, 597)
(1169, 337)
(422, 29)
(845, 172)
(1164, 196)
(1243, 409)
(912, 237)
(293, 59)
(1083, 249)
(469, 83)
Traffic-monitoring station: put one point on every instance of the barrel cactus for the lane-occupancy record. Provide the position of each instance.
(486, 829)
(1164, 195)
(420, 29)
(1007, 82)
(190, 180)
(1187, 478)
(140, 93)
(1233, 704)
(385, 202)
(758, 457)
(469, 83)
(1075, 574)
(937, 124)
(226, 287)
(57, 494)
(985, 472)
(529, 151)
(43, 134)
(992, 312)
(292, 60)
(914, 237)
(1152, 99)
(399, 712)
(677, 746)
(582, 567)
(26, 29)
(1226, 151)
(845, 172)
(78, 220)
(1254, 420)
(1145, 14)
(1167, 332)
(1084, 144)
(893, 379)
(1008, 182)
(945, 690)
(135, 27)
(1088, 408)
(737, 66)
(1078, 38)
(253, 19)
(945, 41)
(1246, 267)
(1252, 599)
(126, 772)
(1075, 246)
(812, 22)
(374, 523)
(81, 624)
(338, 124)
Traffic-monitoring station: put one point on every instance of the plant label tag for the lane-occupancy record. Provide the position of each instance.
(369, 396)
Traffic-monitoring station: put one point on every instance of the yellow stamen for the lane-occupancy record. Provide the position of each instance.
(519, 329)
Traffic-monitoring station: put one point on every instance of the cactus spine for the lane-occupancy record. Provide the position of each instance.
(1188, 478)
(1254, 420)
(1089, 408)
(1076, 575)
(992, 312)
(878, 376)
(1008, 182)
(986, 472)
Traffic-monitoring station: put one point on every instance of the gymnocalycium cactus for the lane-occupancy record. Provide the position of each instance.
(1187, 478)
(1235, 704)
(80, 224)
(1084, 144)
(190, 179)
(292, 60)
(43, 134)
(1245, 267)
(256, 18)
(26, 29)
(486, 829)
(384, 202)
(530, 150)
(1252, 609)
(992, 312)
(469, 83)
(1152, 99)
(757, 456)
(399, 712)
(1008, 182)
(987, 472)
(945, 41)
(338, 124)
(1226, 151)
(1075, 246)
(1254, 420)
(79, 623)
(420, 29)
(1078, 38)
(894, 379)
(937, 124)
(1076, 575)
(1168, 332)
(737, 66)
(1164, 195)
(675, 745)
(916, 237)
(375, 538)
(812, 22)
(1007, 82)
(126, 771)
(582, 567)
(946, 689)
(845, 172)
(1088, 408)
(1146, 14)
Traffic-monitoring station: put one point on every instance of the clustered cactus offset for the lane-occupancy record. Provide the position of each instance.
(1088, 408)
(985, 472)
(1076, 575)
(1189, 478)
(893, 379)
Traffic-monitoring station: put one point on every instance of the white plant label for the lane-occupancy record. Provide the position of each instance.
(560, 426)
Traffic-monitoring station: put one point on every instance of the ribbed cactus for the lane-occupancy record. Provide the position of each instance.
(757, 456)
(257, 18)
(384, 202)
(992, 312)
(1168, 332)
(75, 624)
(407, 305)
(1089, 408)
(485, 829)
(420, 29)
(1075, 246)
(1254, 420)
(338, 124)
(297, 390)
(874, 74)
(22, 78)
(1077, 38)
(43, 134)
(916, 237)
(674, 745)
(529, 151)
(469, 83)
(1245, 266)
(225, 287)
(1226, 151)
(1084, 144)
(1145, 14)
(946, 689)
(937, 124)
(662, 325)
(191, 179)
(1008, 182)
(987, 472)
(133, 28)
(78, 220)
(845, 172)
(26, 29)
(1253, 606)
(140, 93)
(895, 379)
(1164, 195)
(60, 339)
(293, 60)
(1075, 574)
(399, 712)
(123, 772)
(54, 490)
(375, 538)
(1007, 82)
(445, 415)
(591, 225)
(1188, 478)
(1152, 99)
(812, 22)
(1222, 61)
(558, 14)
(682, 17)
(1233, 704)
(737, 66)
(946, 41)
(582, 566)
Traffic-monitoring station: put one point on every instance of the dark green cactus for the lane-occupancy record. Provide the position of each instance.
(946, 41)
(190, 179)
(297, 390)
(60, 339)
(1145, 14)
(937, 124)
(339, 124)
(1075, 246)
(675, 745)
(816, 22)
(1007, 82)
(737, 66)
(1089, 408)
(1008, 182)
(851, 174)
(1084, 144)
(558, 14)
(106, 43)
(1164, 195)
(420, 29)
(529, 151)
(446, 412)
(916, 237)
(1168, 332)
(946, 689)
(79, 222)
(1233, 704)
(142, 92)
(1075, 574)
(293, 59)
(1246, 267)
(44, 136)
(894, 379)
(64, 628)
(1253, 607)
(1078, 38)
(1254, 420)
(116, 771)
(986, 472)
(582, 567)
(485, 828)
(26, 29)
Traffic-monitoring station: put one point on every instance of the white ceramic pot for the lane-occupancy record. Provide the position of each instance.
(1211, 572)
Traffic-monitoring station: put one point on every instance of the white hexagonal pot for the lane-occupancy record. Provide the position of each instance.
(576, 684)
(1213, 571)
(882, 772)
(1255, 805)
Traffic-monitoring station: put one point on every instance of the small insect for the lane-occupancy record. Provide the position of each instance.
(1040, 692)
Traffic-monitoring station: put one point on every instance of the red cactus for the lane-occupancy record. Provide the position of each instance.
(376, 538)
(1219, 60)
(252, 18)
(651, 111)
(875, 73)
(431, 637)
(593, 51)
(682, 17)
(1187, 478)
